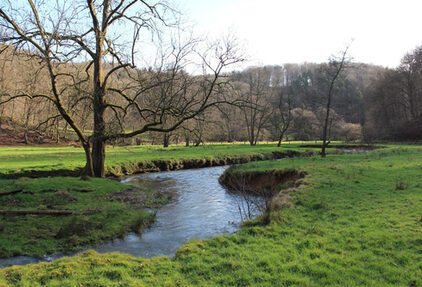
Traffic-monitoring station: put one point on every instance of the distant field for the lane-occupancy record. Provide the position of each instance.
(20, 159)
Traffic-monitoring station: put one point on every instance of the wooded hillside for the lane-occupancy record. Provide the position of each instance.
(370, 102)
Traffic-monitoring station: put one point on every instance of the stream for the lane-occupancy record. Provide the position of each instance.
(201, 208)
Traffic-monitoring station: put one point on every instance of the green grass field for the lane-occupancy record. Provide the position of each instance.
(97, 215)
(17, 160)
(356, 221)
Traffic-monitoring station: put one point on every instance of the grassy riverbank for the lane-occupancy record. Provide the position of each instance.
(355, 221)
(25, 161)
(86, 212)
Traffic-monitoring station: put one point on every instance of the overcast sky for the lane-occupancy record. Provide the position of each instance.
(295, 31)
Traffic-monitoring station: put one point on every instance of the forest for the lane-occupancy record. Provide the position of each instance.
(268, 103)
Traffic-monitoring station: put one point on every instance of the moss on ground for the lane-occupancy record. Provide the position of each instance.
(356, 221)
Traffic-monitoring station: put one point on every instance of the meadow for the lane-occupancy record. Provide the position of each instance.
(95, 214)
(20, 160)
(355, 220)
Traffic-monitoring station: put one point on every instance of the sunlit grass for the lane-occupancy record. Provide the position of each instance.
(20, 159)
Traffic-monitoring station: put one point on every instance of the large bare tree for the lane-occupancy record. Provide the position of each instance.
(86, 47)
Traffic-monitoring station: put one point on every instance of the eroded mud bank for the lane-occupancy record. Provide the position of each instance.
(169, 165)
(261, 182)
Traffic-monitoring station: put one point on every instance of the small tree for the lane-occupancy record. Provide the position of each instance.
(281, 115)
(334, 68)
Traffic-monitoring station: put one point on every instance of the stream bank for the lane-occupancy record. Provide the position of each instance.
(259, 182)
(127, 169)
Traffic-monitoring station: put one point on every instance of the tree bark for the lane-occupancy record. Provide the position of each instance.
(166, 139)
(89, 168)
(279, 140)
(98, 157)
(98, 138)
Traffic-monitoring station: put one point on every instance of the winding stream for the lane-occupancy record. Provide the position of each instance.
(201, 208)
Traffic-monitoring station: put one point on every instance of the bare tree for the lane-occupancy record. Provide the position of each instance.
(66, 33)
(255, 104)
(411, 83)
(281, 116)
(334, 68)
(230, 123)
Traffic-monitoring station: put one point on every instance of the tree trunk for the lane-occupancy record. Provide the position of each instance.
(187, 140)
(25, 136)
(279, 140)
(57, 133)
(323, 154)
(98, 138)
(166, 139)
(98, 141)
(98, 156)
(325, 135)
(89, 168)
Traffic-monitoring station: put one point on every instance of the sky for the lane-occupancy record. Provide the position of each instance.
(295, 31)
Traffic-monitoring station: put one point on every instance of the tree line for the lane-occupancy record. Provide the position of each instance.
(270, 103)
(394, 101)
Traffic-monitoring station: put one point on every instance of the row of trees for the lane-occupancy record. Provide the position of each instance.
(267, 103)
(394, 101)
(265, 106)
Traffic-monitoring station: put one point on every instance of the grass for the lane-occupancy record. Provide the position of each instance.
(104, 217)
(356, 221)
(18, 160)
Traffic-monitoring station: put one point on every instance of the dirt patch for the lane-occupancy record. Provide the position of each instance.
(139, 198)
(11, 202)
(65, 195)
(130, 195)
